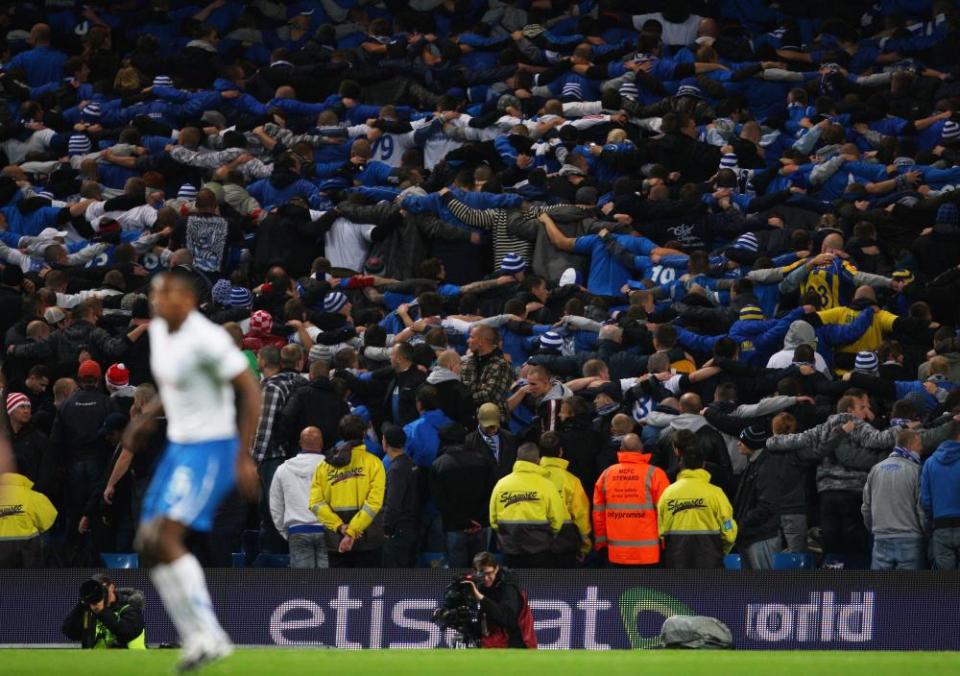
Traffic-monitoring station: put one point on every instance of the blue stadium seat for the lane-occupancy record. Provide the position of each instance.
(793, 561)
(120, 560)
(266, 560)
(433, 560)
(250, 545)
(732, 562)
(238, 560)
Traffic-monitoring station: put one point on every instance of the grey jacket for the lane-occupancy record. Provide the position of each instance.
(548, 261)
(891, 499)
(845, 459)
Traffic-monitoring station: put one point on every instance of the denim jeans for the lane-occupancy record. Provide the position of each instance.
(899, 553)
(462, 547)
(794, 530)
(759, 555)
(431, 537)
(307, 550)
(946, 548)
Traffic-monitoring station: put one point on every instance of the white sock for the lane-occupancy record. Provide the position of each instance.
(168, 587)
(193, 589)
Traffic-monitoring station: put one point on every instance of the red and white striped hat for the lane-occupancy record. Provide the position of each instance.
(15, 400)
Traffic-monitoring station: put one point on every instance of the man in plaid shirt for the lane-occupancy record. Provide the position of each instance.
(486, 371)
(281, 376)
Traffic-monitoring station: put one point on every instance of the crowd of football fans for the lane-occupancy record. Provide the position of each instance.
(588, 283)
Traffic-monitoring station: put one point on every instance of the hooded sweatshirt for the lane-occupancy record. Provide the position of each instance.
(423, 437)
(290, 493)
(891, 505)
(549, 407)
(441, 374)
(349, 489)
(799, 333)
(940, 486)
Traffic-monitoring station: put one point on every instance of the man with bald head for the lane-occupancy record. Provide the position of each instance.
(624, 507)
(830, 275)
(486, 371)
(709, 440)
(455, 398)
(41, 64)
(289, 496)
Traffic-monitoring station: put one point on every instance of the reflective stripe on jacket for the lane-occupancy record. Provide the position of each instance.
(575, 534)
(624, 509)
(694, 509)
(24, 513)
(526, 510)
(351, 494)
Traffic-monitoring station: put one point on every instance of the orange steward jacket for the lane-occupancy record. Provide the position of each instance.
(624, 509)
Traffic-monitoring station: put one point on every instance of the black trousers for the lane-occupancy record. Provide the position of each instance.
(400, 551)
(842, 523)
(370, 558)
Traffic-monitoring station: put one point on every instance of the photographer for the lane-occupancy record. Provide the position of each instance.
(509, 622)
(107, 617)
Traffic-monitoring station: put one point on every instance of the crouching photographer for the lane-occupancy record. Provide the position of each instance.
(488, 609)
(107, 617)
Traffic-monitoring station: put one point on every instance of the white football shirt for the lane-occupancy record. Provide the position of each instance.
(193, 368)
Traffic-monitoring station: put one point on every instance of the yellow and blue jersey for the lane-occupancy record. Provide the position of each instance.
(831, 282)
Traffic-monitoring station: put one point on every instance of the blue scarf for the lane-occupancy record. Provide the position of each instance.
(905, 454)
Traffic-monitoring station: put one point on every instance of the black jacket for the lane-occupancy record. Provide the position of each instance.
(756, 507)
(11, 307)
(502, 604)
(124, 619)
(461, 482)
(74, 434)
(456, 402)
(30, 445)
(65, 345)
(714, 449)
(315, 404)
(474, 443)
(401, 505)
(288, 237)
(377, 393)
(581, 445)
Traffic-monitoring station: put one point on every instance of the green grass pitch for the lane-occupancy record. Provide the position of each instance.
(289, 662)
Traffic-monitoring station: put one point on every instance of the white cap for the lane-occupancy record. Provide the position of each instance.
(568, 277)
(51, 233)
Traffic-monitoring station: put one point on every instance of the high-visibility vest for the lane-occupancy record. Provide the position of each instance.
(624, 509)
(106, 638)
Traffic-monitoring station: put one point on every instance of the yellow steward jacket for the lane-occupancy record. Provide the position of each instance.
(24, 513)
(350, 493)
(526, 510)
(694, 506)
(577, 503)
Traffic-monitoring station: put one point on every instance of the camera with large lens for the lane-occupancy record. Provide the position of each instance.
(461, 611)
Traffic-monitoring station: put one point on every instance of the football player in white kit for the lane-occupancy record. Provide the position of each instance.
(198, 370)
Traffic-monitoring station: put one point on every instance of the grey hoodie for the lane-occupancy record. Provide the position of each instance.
(558, 391)
(441, 374)
(891, 499)
(290, 492)
(800, 333)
